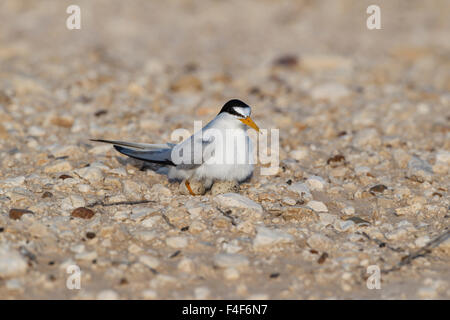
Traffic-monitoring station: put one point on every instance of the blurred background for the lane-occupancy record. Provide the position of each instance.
(139, 69)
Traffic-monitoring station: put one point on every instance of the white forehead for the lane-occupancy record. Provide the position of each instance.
(244, 111)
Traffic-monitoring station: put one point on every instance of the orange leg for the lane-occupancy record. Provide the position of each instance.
(188, 186)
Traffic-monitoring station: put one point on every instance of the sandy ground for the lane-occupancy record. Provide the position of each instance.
(364, 120)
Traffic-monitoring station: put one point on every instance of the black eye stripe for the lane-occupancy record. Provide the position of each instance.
(234, 112)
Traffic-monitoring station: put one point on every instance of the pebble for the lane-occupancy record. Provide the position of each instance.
(302, 189)
(202, 293)
(149, 294)
(316, 183)
(107, 295)
(83, 213)
(317, 206)
(16, 214)
(419, 170)
(58, 166)
(327, 218)
(13, 182)
(149, 261)
(235, 200)
(221, 187)
(177, 242)
(186, 265)
(349, 211)
(86, 256)
(397, 234)
(72, 201)
(91, 174)
(401, 158)
(160, 190)
(145, 235)
(365, 138)
(266, 237)
(422, 241)
(139, 213)
(320, 242)
(299, 154)
(230, 260)
(12, 264)
(231, 274)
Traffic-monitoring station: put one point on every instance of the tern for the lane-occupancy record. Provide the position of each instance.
(220, 151)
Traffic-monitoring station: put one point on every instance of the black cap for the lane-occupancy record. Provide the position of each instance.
(229, 107)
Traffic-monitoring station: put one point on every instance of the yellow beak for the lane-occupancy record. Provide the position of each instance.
(248, 121)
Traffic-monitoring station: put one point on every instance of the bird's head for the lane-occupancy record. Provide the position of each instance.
(240, 111)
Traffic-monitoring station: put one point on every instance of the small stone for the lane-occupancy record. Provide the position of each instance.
(186, 265)
(379, 188)
(327, 219)
(221, 187)
(230, 260)
(62, 121)
(266, 237)
(237, 201)
(145, 235)
(302, 189)
(343, 226)
(140, 213)
(362, 170)
(91, 174)
(366, 137)
(419, 170)
(422, 241)
(36, 131)
(58, 166)
(47, 194)
(316, 183)
(289, 201)
(149, 261)
(16, 214)
(160, 190)
(443, 156)
(231, 274)
(202, 293)
(427, 293)
(401, 158)
(299, 154)
(317, 206)
(320, 242)
(397, 234)
(90, 235)
(83, 213)
(149, 294)
(336, 160)
(13, 182)
(107, 295)
(73, 201)
(403, 210)
(348, 210)
(12, 264)
(86, 256)
(177, 242)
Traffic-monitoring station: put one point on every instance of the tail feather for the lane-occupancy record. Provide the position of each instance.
(155, 153)
(134, 145)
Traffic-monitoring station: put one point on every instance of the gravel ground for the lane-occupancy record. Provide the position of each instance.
(364, 119)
